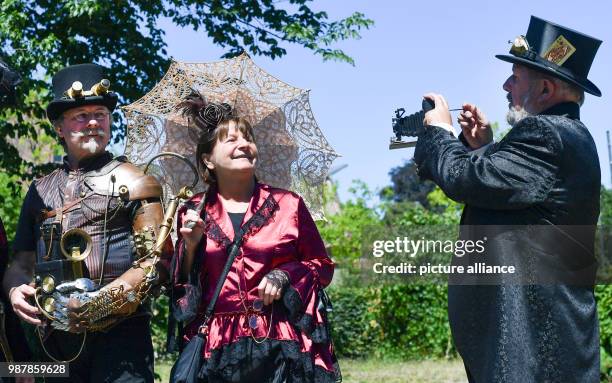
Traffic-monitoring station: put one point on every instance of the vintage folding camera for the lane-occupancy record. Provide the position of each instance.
(408, 126)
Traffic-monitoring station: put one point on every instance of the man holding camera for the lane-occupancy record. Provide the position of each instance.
(536, 195)
(87, 214)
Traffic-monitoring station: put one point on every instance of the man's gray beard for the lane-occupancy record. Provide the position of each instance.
(91, 145)
(515, 115)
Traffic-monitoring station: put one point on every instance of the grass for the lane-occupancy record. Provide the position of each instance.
(163, 370)
(428, 371)
(377, 371)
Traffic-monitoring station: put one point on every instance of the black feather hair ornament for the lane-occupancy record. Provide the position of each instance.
(205, 115)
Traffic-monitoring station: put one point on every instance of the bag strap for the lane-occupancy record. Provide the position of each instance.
(232, 251)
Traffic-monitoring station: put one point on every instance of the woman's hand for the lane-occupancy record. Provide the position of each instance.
(193, 235)
(272, 286)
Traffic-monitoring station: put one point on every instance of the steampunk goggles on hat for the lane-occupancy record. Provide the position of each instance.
(520, 47)
(98, 89)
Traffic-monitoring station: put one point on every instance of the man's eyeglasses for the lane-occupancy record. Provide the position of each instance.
(86, 117)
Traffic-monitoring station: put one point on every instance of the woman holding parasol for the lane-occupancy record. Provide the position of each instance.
(266, 325)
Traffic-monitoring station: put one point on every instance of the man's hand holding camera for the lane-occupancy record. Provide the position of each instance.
(474, 124)
(440, 113)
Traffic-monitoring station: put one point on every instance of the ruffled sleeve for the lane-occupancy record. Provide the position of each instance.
(179, 251)
(185, 294)
(308, 274)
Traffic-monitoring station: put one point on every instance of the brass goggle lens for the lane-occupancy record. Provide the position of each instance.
(49, 304)
(48, 284)
(98, 89)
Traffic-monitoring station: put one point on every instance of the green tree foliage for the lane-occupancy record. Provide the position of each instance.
(343, 232)
(39, 37)
(604, 292)
(391, 321)
(11, 203)
(406, 185)
(397, 321)
(439, 210)
(605, 215)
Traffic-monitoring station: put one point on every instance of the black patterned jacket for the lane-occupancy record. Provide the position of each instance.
(535, 196)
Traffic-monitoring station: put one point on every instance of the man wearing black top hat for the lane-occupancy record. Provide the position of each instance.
(105, 203)
(533, 197)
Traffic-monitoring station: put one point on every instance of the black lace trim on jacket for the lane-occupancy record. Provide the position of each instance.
(261, 218)
(296, 315)
(228, 362)
(214, 232)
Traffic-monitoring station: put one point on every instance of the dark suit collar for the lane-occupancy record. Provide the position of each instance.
(570, 109)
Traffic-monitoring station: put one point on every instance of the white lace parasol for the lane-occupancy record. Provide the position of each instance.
(293, 153)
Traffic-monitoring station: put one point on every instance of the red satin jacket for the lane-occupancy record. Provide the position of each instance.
(284, 237)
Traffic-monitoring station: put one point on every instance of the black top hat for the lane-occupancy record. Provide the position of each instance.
(556, 50)
(78, 85)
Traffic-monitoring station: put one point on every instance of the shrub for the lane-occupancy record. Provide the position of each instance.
(393, 321)
(604, 306)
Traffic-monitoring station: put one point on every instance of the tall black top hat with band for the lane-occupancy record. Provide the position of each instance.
(556, 50)
(79, 85)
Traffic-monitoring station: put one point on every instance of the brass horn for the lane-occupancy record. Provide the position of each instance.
(76, 245)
